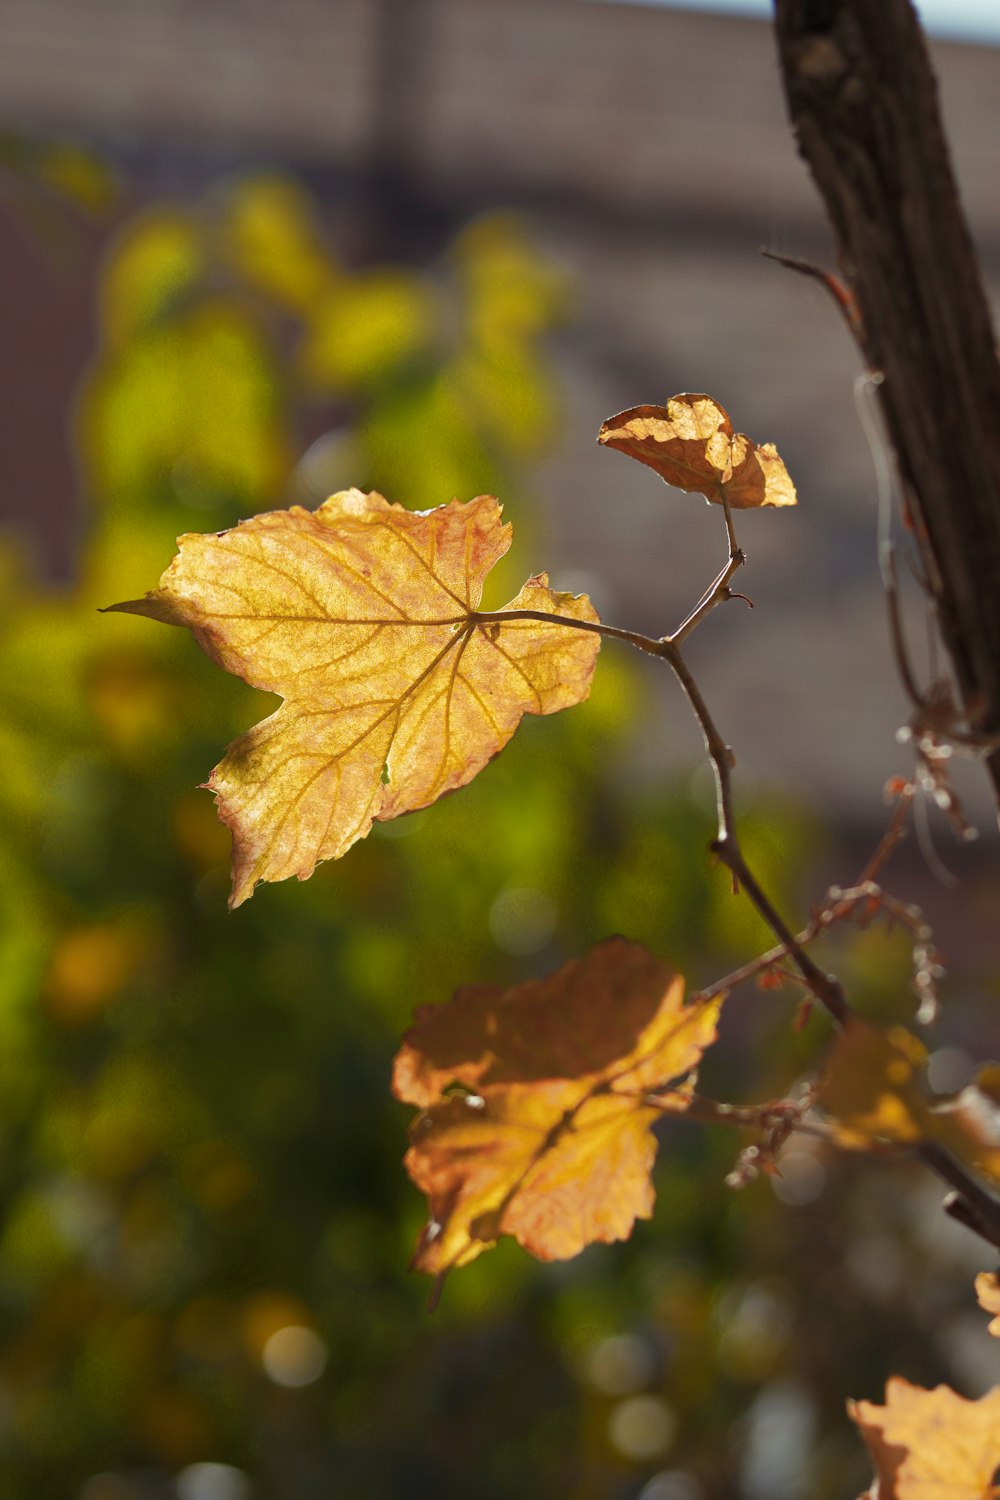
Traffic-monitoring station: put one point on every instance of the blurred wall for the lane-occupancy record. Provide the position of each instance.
(650, 150)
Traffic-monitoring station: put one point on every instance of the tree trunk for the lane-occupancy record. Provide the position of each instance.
(863, 102)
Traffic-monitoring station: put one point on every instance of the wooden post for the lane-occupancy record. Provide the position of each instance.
(864, 106)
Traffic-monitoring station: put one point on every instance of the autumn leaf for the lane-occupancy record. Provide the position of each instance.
(363, 617)
(691, 443)
(870, 1086)
(931, 1445)
(547, 1136)
(874, 1088)
(988, 1293)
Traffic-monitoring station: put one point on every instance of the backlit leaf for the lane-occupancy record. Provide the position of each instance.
(363, 617)
(931, 1445)
(365, 328)
(271, 236)
(870, 1086)
(153, 267)
(875, 1088)
(549, 1137)
(692, 444)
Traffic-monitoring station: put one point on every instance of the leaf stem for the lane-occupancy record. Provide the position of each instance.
(712, 1112)
(838, 905)
(716, 592)
(777, 1119)
(648, 643)
(734, 547)
(968, 1203)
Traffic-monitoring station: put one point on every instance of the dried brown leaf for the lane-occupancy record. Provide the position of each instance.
(691, 443)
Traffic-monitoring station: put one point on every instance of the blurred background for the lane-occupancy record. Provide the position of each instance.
(250, 255)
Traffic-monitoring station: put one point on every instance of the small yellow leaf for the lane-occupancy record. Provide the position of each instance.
(931, 1445)
(550, 1140)
(870, 1086)
(366, 325)
(364, 617)
(692, 445)
(271, 236)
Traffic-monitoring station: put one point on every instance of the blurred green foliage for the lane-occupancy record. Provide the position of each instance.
(205, 1220)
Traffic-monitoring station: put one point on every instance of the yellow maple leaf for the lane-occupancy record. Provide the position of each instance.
(550, 1140)
(931, 1445)
(364, 617)
(692, 444)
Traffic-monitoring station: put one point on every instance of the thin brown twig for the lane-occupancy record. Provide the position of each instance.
(972, 1204)
(825, 987)
(741, 1116)
(839, 905)
(717, 591)
(735, 550)
(775, 1121)
(894, 835)
(959, 1208)
(846, 305)
(650, 644)
(969, 1203)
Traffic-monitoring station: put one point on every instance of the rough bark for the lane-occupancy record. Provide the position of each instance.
(863, 102)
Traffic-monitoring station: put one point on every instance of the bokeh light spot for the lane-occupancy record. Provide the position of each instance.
(676, 1485)
(212, 1482)
(802, 1178)
(619, 1365)
(642, 1427)
(522, 920)
(294, 1356)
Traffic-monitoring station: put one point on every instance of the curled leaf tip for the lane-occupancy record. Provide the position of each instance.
(152, 607)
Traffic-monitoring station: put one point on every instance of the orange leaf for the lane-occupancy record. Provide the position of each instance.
(931, 1445)
(988, 1292)
(552, 1142)
(363, 617)
(691, 443)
